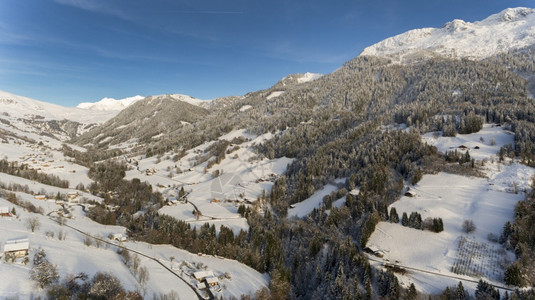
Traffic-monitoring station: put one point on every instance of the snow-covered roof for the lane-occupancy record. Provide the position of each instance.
(211, 280)
(203, 274)
(16, 245)
(4, 209)
(119, 237)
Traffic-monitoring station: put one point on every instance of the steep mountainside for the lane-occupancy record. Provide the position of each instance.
(145, 121)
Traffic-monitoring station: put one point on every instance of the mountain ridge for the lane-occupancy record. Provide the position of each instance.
(110, 103)
(510, 29)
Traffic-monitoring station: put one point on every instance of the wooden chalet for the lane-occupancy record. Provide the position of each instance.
(4, 211)
(19, 247)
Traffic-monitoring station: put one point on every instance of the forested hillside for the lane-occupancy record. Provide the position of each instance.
(337, 127)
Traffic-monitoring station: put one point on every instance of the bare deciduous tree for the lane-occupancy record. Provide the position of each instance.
(469, 226)
(33, 223)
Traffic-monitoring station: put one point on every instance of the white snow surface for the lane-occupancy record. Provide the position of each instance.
(22, 107)
(305, 207)
(243, 177)
(512, 28)
(187, 99)
(302, 78)
(488, 201)
(72, 256)
(107, 104)
(245, 108)
(308, 77)
(274, 94)
(478, 144)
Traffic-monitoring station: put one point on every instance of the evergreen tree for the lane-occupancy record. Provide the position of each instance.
(513, 276)
(404, 219)
(412, 294)
(461, 293)
(394, 218)
(438, 225)
(485, 291)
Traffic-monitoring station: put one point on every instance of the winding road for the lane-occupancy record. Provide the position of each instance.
(141, 254)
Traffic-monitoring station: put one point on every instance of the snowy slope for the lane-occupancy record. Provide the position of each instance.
(16, 106)
(72, 255)
(110, 103)
(513, 28)
(302, 78)
(298, 78)
(187, 99)
(442, 259)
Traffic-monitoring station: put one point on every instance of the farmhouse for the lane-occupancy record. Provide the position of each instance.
(375, 251)
(40, 197)
(410, 194)
(212, 281)
(19, 247)
(172, 201)
(118, 237)
(71, 196)
(4, 211)
(202, 275)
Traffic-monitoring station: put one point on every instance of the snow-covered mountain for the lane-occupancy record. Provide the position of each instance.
(185, 98)
(15, 106)
(298, 78)
(512, 28)
(110, 103)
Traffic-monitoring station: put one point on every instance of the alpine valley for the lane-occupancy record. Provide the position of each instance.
(407, 173)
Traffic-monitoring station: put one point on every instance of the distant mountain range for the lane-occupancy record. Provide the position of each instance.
(510, 30)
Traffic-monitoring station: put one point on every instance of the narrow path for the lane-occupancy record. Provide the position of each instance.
(142, 254)
(385, 263)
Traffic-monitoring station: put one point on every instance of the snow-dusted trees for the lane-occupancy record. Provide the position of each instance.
(513, 275)
(43, 272)
(486, 291)
(100, 286)
(334, 128)
(143, 276)
(388, 285)
(456, 293)
(394, 218)
(105, 286)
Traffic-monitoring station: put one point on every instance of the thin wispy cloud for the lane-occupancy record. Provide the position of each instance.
(208, 12)
(96, 6)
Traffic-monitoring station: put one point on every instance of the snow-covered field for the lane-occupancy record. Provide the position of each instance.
(305, 207)
(489, 202)
(243, 178)
(72, 255)
(484, 144)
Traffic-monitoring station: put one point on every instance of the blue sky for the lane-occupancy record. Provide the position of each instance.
(72, 51)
